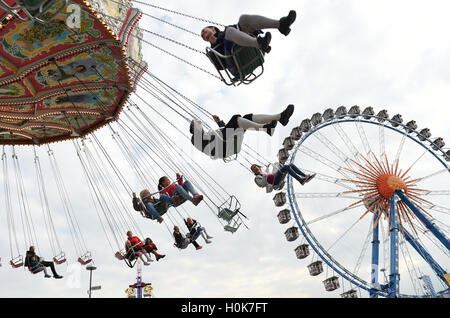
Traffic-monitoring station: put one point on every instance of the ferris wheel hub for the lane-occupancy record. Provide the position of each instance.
(387, 184)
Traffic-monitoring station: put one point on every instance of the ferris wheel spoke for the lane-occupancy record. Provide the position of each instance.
(437, 173)
(326, 178)
(325, 195)
(413, 164)
(364, 250)
(436, 208)
(347, 141)
(329, 215)
(409, 265)
(323, 160)
(426, 234)
(400, 149)
(363, 137)
(337, 152)
(434, 193)
(344, 234)
(382, 141)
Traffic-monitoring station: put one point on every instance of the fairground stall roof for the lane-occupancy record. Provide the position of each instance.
(64, 67)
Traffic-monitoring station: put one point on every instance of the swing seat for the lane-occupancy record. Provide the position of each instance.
(230, 212)
(239, 67)
(184, 244)
(27, 10)
(36, 269)
(227, 214)
(60, 258)
(85, 259)
(16, 262)
(231, 229)
(130, 261)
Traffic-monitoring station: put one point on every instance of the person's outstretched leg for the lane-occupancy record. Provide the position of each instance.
(197, 247)
(249, 124)
(147, 256)
(166, 198)
(241, 38)
(139, 254)
(52, 267)
(306, 177)
(46, 275)
(250, 23)
(182, 192)
(187, 185)
(244, 39)
(206, 233)
(297, 170)
(151, 209)
(205, 236)
(282, 117)
(287, 169)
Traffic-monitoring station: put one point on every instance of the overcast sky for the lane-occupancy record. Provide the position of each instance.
(392, 55)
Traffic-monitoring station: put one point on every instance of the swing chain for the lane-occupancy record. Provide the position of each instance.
(179, 13)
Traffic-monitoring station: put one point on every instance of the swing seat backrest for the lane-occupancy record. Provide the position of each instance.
(239, 66)
(247, 60)
(60, 259)
(227, 214)
(85, 259)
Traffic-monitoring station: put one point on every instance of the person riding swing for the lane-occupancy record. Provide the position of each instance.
(227, 140)
(246, 33)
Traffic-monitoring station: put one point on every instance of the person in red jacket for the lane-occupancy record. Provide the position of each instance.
(135, 245)
(183, 188)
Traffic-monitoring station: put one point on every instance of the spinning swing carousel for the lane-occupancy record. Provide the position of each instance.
(68, 68)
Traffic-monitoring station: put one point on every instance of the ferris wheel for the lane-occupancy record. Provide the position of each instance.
(376, 217)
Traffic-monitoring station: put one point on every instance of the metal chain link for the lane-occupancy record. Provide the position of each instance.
(179, 58)
(161, 36)
(171, 24)
(179, 13)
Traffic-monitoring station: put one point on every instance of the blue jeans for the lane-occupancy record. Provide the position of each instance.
(151, 208)
(184, 190)
(292, 170)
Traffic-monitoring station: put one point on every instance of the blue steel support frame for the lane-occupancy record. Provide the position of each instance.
(394, 277)
(440, 272)
(433, 229)
(375, 256)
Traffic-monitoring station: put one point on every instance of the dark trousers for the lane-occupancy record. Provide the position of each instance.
(195, 244)
(51, 265)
